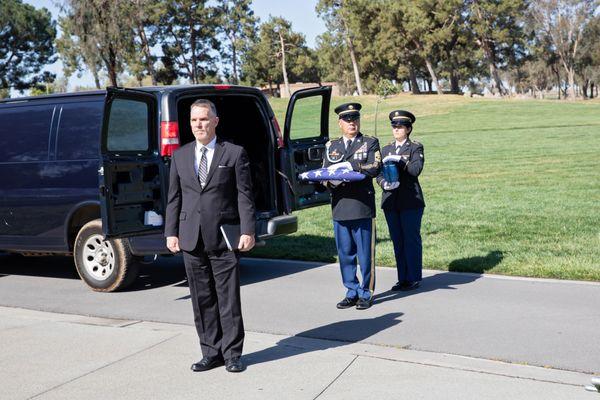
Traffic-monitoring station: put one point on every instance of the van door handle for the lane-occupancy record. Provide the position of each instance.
(102, 191)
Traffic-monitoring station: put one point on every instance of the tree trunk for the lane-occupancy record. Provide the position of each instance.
(434, 78)
(584, 88)
(571, 78)
(283, 70)
(111, 67)
(454, 86)
(496, 79)
(352, 57)
(147, 55)
(558, 82)
(94, 72)
(194, 76)
(271, 88)
(234, 63)
(414, 85)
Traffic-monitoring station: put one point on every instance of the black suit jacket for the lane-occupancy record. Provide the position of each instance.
(193, 212)
(409, 194)
(354, 200)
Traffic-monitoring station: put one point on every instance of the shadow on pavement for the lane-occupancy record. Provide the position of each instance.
(331, 336)
(443, 280)
(477, 264)
(164, 271)
(259, 270)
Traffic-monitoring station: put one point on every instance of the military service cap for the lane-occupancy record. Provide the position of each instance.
(348, 111)
(401, 117)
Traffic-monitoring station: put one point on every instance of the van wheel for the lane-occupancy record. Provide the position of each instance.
(104, 265)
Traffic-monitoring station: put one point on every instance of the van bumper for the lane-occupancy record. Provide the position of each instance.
(281, 225)
(148, 245)
(156, 244)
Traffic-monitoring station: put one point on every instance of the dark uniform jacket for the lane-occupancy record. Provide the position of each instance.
(354, 200)
(194, 212)
(409, 194)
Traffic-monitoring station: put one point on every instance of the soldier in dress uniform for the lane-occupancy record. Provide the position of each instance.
(353, 206)
(402, 201)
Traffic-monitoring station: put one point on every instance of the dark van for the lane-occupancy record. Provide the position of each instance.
(87, 173)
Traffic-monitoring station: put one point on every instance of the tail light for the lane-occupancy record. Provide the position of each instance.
(169, 137)
(222, 87)
(280, 143)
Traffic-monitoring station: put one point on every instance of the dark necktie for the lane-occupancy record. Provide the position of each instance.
(348, 144)
(203, 168)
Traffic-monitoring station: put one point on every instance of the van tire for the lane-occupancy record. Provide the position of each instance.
(104, 265)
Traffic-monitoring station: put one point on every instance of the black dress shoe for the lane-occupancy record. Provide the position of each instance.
(207, 363)
(397, 287)
(234, 364)
(347, 303)
(410, 286)
(363, 304)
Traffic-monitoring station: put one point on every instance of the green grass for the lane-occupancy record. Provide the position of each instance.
(512, 187)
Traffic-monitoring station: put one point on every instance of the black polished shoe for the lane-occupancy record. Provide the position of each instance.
(347, 303)
(363, 304)
(410, 286)
(397, 287)
(234, 364)
(207, 363)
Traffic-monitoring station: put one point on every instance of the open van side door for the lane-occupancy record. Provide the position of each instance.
(305, 133)
(132, 177)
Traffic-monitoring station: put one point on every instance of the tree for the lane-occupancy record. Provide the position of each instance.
(96, 29)
(239, 26)
(279, 54)
(563, 22)
(498, 29)
(332, 62)
(144, 17)
(588, 65)
(188, 32)
(27, 37)
(336, 14)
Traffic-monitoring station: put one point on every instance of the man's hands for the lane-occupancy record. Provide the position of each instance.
(389, 185)
(173, 244)
(247, 242)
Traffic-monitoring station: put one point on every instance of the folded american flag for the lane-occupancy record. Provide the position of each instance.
(326, 174)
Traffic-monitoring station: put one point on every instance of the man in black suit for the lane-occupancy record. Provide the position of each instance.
(209, 186)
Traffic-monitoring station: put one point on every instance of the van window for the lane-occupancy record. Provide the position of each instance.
(307, 118)
(24, 133)
(79, 131)
(128, 125)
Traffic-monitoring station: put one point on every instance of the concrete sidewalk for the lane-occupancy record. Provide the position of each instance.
(59, 356)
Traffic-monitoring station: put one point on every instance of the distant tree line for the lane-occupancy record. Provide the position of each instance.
(445, 46)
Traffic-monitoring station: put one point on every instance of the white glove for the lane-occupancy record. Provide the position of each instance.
(339, 165)
(389, 186)
(334, 183)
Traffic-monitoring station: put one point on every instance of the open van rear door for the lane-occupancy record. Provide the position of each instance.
(132, 175)
(305, 133)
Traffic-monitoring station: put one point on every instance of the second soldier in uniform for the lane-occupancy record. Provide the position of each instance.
(402, 201)
(353, 207)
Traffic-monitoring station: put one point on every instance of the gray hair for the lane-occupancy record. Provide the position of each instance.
(205, 104)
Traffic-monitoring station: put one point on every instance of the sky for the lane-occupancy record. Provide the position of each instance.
(301, 13)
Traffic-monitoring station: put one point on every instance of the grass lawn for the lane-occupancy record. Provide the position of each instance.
(511, 186)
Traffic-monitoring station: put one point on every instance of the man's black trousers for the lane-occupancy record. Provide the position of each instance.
(214, 281)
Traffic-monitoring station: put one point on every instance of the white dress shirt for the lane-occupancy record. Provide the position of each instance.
(347, 143)
(399, 144)
(210, 151)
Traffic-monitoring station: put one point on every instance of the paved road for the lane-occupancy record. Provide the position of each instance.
(535, 322)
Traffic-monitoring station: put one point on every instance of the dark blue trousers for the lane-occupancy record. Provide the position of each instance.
(355, 240)
(405, 232)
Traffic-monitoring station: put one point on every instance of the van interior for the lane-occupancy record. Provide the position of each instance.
(242, 121)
